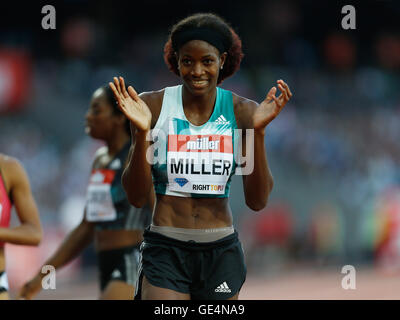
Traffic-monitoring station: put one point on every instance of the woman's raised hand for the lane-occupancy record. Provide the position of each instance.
(129, 102)
(271, 106)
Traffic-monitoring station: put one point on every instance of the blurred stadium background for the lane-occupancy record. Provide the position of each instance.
(334, 150)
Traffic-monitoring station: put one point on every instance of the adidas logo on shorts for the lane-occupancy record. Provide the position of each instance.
(223, 287)
(221, 120)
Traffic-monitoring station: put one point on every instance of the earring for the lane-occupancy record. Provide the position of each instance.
(222, 67)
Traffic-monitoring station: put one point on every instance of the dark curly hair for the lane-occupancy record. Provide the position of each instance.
(215, 23)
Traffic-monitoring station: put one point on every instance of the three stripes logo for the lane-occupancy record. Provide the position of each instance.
(221, 120)
(223, 287)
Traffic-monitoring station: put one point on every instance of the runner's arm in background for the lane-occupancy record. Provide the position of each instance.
(76, 241)
(29, 232)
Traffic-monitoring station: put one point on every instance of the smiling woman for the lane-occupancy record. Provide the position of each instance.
(192, 250)
(200, 67)
(213, 31)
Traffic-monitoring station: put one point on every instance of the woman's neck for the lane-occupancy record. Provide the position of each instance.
(117, 142)
(200, 104)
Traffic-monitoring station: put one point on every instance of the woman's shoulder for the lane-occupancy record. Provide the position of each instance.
(12, 170)
(100, 152)
(152, 97)
(242, 102)
(154, 100)
(244, 109)
(10, 164)
(100, 158)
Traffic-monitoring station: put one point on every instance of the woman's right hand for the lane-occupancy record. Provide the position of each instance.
(31, 288)
(134, 108)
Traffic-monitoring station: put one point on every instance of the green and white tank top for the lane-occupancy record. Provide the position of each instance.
(189, 160)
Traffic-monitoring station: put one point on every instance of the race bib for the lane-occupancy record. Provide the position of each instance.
(99, 205)
(199, 163)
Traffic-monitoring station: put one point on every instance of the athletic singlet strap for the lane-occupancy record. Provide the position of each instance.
(5, 205)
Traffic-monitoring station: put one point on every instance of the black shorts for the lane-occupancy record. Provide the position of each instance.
(207, 271)
(119, 264)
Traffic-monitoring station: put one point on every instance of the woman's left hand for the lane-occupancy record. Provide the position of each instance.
(271, 106)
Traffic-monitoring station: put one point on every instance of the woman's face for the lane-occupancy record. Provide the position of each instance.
(199, 65)
(100, 119)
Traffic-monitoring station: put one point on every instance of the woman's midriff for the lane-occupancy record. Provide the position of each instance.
(192, 213)
(114, 239)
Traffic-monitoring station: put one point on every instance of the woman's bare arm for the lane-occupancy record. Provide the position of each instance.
(29, 232)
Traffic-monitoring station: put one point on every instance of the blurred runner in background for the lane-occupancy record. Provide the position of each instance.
(15, 190)
(109, 219)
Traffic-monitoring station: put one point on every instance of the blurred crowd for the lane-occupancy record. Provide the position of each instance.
(333, 150)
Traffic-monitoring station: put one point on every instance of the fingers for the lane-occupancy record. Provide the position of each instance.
(116, 93)
(284, 88)
(288, 89)
(276, 101)
(271, 96)
(114, 89)
(117, 85)
(120, 92)
(284, 94)
(23, 297)
(271, 93)
(22, 294)
(132, 92)
(124, 92)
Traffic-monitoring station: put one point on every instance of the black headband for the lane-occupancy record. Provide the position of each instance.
(211, 36)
